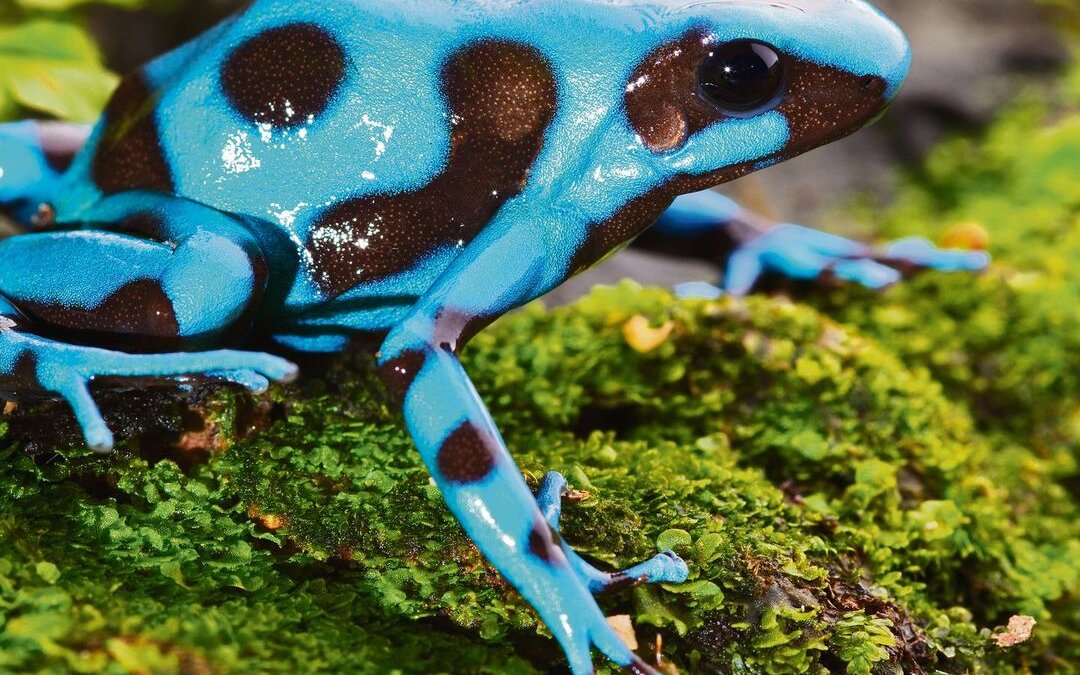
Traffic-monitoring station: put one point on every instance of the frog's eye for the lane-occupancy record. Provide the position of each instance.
(741, 78)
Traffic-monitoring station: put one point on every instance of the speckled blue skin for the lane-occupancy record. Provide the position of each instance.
(230, 251)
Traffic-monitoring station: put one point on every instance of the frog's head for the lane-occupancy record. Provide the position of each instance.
(747, 83)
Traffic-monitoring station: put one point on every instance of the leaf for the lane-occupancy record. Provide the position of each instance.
(53, 67)
(671, 540)
(57, 5)
(1018, 631)
(171, 569)
(48, 571)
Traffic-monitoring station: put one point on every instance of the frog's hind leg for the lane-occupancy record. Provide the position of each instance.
(155, 273)
(193, 276)
(666, 567)
(33, 157)
(31, 365)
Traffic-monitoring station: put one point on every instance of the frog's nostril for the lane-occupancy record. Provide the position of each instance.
(874, 85)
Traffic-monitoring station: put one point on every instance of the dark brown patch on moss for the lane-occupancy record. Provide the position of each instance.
(23, 377)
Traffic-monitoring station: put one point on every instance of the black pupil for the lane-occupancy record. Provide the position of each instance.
(742, 76)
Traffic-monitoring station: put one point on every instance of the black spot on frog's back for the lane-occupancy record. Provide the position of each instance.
(284, 76)
(502, 98)
(129, 154)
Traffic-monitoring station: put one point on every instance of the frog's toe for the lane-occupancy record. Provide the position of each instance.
(591, 629)
(793, 251)
(256, 366)
(74, 390)
(869, 273)
(665, 567)
(254, 382)
(698, 290)
(251, 369)
(920, 252)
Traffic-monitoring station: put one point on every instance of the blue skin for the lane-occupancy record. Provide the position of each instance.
(798, 252)
(244, 197)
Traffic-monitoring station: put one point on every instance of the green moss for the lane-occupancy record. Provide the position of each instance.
(835, 509)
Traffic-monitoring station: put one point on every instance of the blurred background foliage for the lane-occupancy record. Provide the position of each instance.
(48, 63)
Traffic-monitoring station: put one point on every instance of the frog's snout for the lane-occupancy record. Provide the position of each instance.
(895, 60)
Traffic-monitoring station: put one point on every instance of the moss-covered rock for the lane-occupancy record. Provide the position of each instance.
(838, 514)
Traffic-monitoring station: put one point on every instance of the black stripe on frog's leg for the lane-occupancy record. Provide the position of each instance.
(285, 76)
(621, 581)
(544, 544)
(147, 225)
(502, 97)
(129, 154)
(61, 142)
(398, 373)
(466, 455)
(138, 310)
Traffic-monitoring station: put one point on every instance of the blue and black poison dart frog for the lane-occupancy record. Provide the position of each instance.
(308, 171)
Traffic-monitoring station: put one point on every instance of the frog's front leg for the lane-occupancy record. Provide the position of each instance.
(754, 246)
(33, 156)
(190, 276)
(464, 450)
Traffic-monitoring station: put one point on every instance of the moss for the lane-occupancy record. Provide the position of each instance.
(837, 512)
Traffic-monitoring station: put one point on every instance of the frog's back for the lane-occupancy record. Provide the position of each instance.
(286, 103)
(296, 112)
(296, 104)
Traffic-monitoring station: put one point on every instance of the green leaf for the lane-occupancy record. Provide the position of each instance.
(53, 67)
(671, 540)
(48, 571)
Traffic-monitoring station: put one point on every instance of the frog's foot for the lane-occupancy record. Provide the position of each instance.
(802, 253)
(666, 567)
(67, 370)
(698, 290)
(35, 155)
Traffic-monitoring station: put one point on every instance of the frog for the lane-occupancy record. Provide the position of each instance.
(305, 173)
